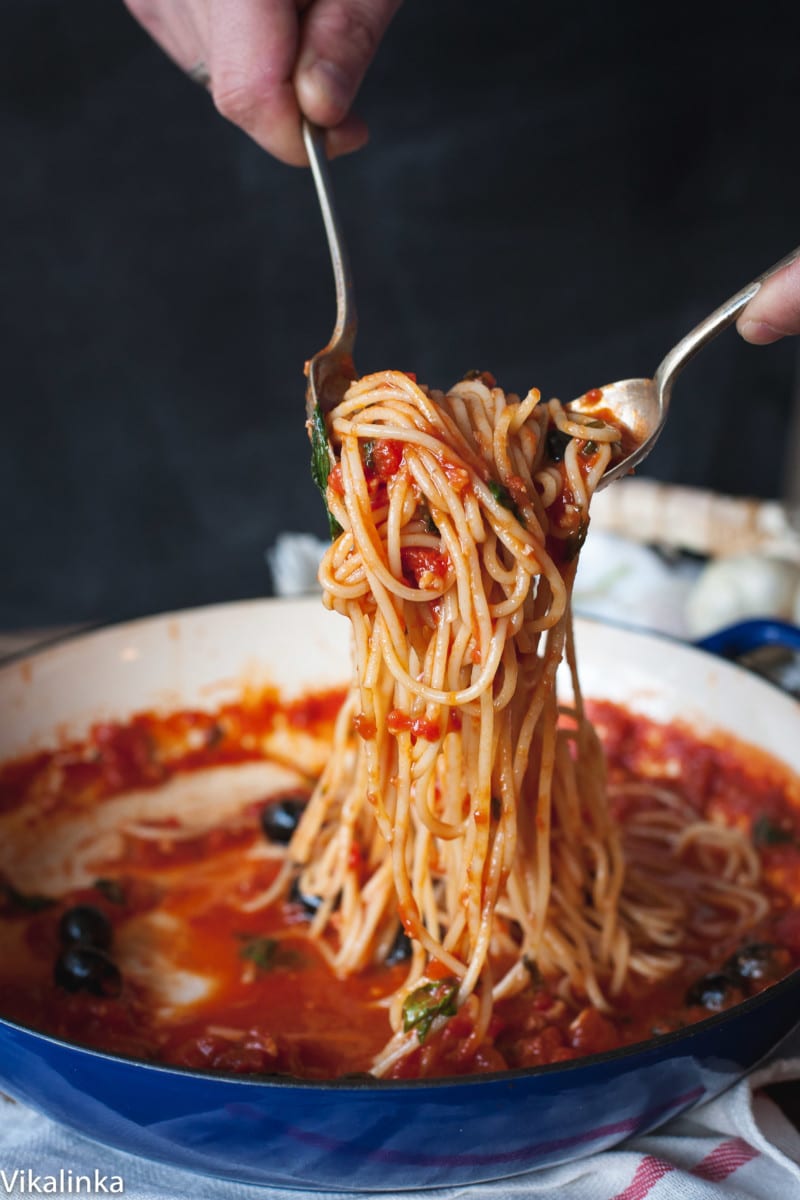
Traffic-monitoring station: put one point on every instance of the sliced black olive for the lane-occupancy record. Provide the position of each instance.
(306, 900)
(279, 819)
(757, 960)
(86, 925)
(400, 949)
(557, 442)
(86, 969)
(712, 991)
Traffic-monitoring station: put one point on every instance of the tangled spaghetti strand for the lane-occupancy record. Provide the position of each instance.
(460, 797)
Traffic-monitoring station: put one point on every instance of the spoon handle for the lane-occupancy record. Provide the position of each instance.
(720, 319)
(344, 333)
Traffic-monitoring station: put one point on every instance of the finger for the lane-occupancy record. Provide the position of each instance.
(351, 134)
(775, 310)
(252, 51)
(178, 26)
(339, 40)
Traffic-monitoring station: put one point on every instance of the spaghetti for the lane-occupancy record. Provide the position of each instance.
(460, 798)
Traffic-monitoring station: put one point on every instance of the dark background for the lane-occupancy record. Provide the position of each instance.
(554, 193)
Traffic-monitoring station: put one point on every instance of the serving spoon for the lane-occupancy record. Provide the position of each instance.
(641, 405)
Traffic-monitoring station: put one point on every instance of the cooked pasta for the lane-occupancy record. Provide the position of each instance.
(460, 797)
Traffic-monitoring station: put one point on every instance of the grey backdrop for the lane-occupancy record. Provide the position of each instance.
(553, 193)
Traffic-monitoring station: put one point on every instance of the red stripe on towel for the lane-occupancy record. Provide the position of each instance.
(724, 1160)
(648, 1173)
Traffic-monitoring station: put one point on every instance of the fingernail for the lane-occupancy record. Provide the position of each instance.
(326, 85)
(759, 333)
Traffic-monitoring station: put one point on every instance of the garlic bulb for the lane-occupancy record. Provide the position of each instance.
(740, 587)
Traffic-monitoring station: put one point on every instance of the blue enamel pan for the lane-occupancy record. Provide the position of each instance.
(361, 1134)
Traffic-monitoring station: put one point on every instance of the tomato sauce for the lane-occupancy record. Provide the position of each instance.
(256, 994)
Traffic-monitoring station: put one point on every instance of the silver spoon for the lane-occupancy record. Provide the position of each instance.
(642, 404)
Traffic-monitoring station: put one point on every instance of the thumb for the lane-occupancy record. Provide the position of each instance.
(774, 312)
(338, 42)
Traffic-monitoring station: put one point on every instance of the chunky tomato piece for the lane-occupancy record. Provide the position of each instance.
(591, 1032)
(387, 457)
(335, 480)
(255, 1052)
(422, 566)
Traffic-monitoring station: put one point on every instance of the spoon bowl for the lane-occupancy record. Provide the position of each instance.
(635, 404)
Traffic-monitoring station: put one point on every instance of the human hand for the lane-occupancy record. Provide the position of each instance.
(774, 312)
(268, 61)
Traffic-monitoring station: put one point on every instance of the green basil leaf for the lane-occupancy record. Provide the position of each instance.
(503, 496)
(427, 1002)
(767, 833)
(267, 953)
(111, 889)
(321, 464)
(259, 950)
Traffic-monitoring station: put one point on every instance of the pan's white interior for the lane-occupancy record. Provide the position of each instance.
(204, 657)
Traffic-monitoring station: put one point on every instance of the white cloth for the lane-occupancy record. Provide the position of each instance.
(737, 1147)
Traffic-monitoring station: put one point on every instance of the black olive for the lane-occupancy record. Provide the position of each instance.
(86, 969)
(557, 442)
(306, 900)
(279, 819)
(756, 960)
(87, 926)
(400, 948)
(712, 991)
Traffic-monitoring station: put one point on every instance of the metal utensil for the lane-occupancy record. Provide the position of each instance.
(331, 370)
(642, 404)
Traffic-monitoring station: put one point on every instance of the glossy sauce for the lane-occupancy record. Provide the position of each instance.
(272, 1004)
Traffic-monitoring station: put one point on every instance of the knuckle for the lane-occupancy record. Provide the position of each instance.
(356, 27)
(236, 99)
(362, 35)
